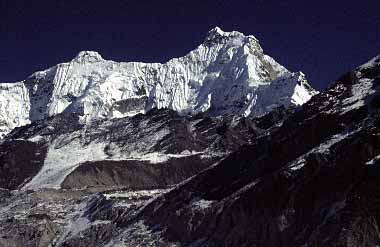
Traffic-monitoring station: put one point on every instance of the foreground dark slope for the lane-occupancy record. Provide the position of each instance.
(313, 182)
(88, 216)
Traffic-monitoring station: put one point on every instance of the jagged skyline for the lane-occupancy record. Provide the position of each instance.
(312, 37)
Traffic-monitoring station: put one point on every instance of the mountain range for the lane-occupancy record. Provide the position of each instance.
(227, 74)
(221, 147)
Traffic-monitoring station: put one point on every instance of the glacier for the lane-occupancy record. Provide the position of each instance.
(227, 74)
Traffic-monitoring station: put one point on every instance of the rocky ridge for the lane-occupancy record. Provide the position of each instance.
(264, 193)
(322, 193)
(227, 74)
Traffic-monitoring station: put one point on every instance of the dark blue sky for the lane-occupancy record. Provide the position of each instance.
(321, 38)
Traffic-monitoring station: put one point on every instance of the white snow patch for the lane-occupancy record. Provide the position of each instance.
(298, 164)
(301, 95)
(371, 63)
(323, 148)
(68, 152)
(133, 194)
(117, 114)
(359, 93)
(199, 203)
(60, 162)
(157, 158)
(36, 138)
(373, 161)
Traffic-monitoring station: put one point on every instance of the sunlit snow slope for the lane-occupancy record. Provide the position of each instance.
(227, 74)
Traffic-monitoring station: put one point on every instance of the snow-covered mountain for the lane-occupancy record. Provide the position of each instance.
(229, 162)
(227, 74)
(309, 177)
(83, 162)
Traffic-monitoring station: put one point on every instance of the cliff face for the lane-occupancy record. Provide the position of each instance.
(227, 74)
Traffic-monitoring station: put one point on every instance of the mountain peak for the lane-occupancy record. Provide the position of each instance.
(88, 57)
(218, 30)
(374, 62)
(217, 35)
(228, 74)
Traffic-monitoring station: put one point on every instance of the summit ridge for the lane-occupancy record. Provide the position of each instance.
(228, 74)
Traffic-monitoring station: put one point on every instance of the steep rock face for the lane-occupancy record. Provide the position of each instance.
(312, 182)
(227, 74)
(136, 174)
(19, 161)
(14, 106)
